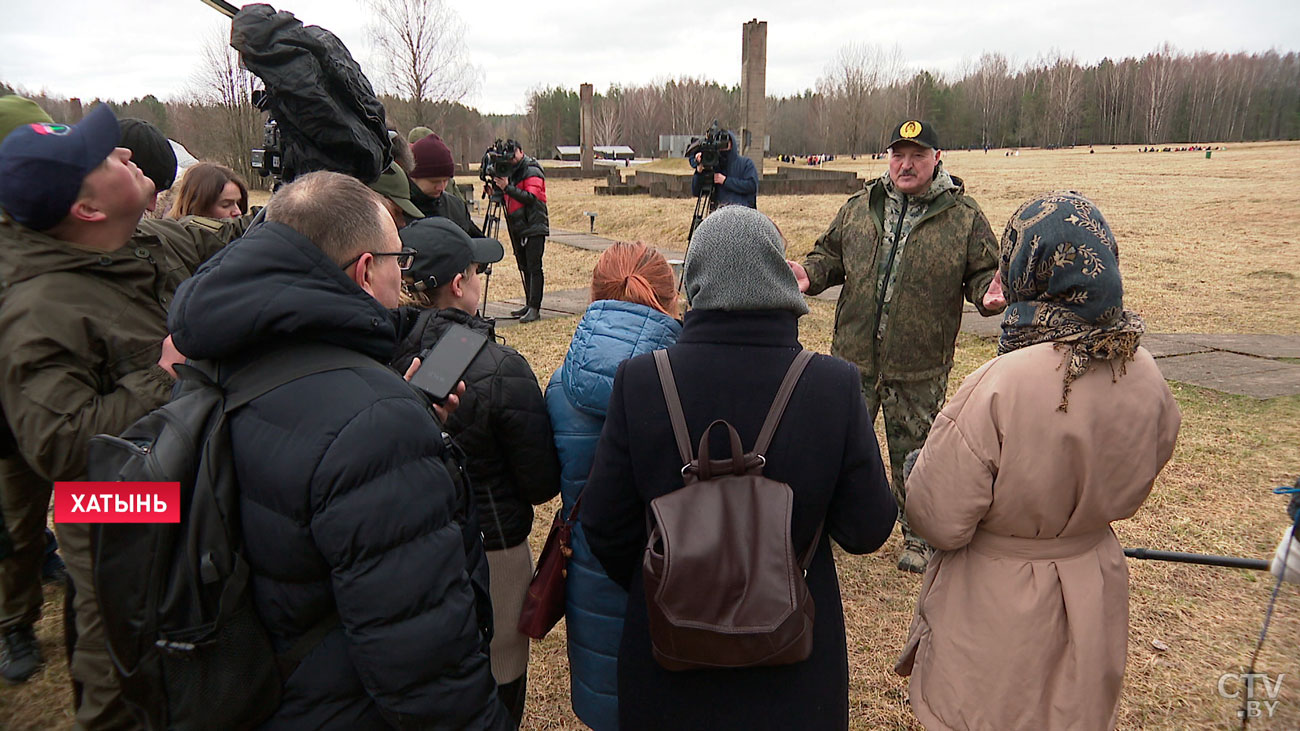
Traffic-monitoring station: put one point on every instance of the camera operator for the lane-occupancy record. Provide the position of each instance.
(735, 179)
(528, 223)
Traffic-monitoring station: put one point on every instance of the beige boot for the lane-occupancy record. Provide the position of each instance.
(915, 556)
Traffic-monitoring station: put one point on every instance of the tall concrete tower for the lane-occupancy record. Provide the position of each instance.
(753, 92)
(587, 131)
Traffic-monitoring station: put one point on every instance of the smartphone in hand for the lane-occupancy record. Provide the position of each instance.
(443, 365)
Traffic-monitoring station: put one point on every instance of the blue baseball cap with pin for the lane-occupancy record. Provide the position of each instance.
(42, 166)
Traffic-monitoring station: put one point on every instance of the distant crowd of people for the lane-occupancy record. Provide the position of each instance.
(810, 159)
(389, 530)
(1181, 148)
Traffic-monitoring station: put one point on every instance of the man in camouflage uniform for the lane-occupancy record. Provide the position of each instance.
(907, 248)
(84, 291)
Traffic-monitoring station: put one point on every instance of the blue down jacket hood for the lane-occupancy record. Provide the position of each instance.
(610, 332)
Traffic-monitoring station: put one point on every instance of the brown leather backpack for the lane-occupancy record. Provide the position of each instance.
(722, 582)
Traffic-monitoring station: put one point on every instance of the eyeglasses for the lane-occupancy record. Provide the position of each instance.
(405, 257)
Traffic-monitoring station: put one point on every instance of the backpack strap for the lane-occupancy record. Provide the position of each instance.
(678, 417)
(244, 382)
(674, 402)
(289, 660)
(806, 559)
(779, 403)
(669, 385)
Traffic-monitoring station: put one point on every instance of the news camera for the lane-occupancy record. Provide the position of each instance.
(710, 146)
(498, 160)
(268, 160)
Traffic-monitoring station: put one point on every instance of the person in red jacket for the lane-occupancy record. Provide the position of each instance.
(528, 223)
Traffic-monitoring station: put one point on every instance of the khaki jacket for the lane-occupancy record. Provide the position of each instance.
(1022, 620)
(81, 331)
(950, 253)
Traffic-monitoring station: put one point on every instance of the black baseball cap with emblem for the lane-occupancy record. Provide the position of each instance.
(443, 250)
(916, 132)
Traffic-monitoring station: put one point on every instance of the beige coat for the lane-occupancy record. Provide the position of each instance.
(1022, 620)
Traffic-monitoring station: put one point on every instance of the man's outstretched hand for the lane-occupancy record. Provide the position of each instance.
(800, 274)
(994, 299)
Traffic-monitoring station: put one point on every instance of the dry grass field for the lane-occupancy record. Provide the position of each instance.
(1206, 246)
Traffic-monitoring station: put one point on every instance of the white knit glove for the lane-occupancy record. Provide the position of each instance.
(1286, 561)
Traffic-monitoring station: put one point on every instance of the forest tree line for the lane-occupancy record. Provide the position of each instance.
(1163, 97)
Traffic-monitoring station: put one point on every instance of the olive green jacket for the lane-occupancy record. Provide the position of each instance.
(951, 253)
(81, 332)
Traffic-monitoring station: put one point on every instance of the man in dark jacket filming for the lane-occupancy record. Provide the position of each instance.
(529, 225)
(735, 181)
(345, 503)
(501, 424)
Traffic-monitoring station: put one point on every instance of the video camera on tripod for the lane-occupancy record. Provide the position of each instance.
(710, 147)
(498, 161)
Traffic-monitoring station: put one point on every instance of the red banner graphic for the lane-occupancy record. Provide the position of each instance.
(117, 502)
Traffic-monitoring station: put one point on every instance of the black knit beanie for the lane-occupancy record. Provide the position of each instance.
(150, 151)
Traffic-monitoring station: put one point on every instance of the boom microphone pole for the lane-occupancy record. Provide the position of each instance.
(223, 7)
(1201, 559)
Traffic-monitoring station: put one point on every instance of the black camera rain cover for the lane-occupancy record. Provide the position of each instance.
(329, 116)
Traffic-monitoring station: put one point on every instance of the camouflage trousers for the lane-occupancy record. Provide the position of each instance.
(910, 408)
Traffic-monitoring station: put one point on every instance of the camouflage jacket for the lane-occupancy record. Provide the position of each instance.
(81, 331)
(951, 253)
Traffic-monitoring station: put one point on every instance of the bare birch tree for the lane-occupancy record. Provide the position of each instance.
(1064, 83)
(1158, 70)
(420, 47)
(607, 125)
(855, 81)
(227, 87)
(991, 84)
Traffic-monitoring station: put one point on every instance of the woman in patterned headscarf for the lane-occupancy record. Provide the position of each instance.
(1023, 472)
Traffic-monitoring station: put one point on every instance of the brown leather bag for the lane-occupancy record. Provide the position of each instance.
(544, 602)
(722, 582)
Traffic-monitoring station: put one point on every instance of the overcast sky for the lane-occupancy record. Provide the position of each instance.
(121, 49)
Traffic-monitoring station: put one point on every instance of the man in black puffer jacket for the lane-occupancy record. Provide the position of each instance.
(501, 424)
(344, 501)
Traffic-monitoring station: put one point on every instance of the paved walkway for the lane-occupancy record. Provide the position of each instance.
(1259, 366)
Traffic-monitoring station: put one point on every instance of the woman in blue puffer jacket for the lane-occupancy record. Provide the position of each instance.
(633, 311)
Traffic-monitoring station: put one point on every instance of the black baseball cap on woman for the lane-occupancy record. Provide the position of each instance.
(443, 250)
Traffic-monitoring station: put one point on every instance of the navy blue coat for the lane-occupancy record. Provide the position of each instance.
(741, 186)
(610, 332)
(344, 501)
(728, 365)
